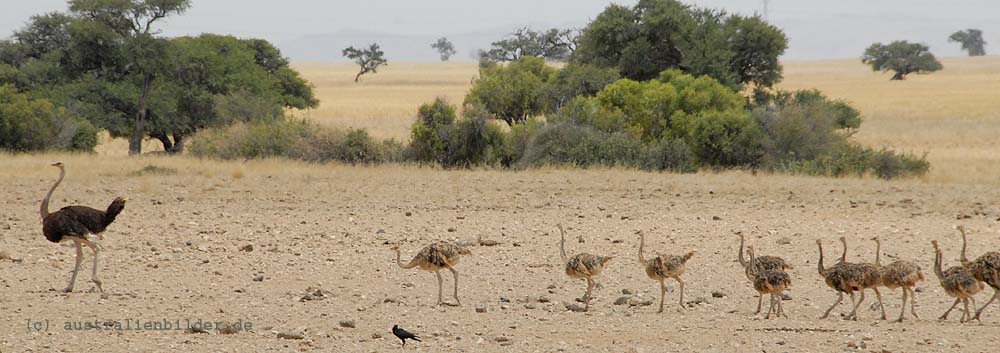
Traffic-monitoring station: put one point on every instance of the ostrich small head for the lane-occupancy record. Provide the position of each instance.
(819, 242)
(58, 165)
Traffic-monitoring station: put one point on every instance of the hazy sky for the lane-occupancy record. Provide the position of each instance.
(304, 28)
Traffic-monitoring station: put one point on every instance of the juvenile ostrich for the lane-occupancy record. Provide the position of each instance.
(843, 278)
(663, 267)
(764, 263)
(899, 274)
(582, 266)
(869, 279)
(986, 268)
(772, 282)
(959, 283)
(82, 225)
(434, 257)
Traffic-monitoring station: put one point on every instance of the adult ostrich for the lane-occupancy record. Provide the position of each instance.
(80, 224)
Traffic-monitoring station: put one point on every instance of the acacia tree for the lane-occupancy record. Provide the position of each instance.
(554, 44)
(131, 21)
(369, 59)
(901, 57)
(971, 40)
(444, 48)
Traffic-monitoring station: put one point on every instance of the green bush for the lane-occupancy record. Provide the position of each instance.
(294, 139)
(672, 155)
(437, 136)
(28, 124)
(726, 139)
(512, 93)
(429, 134)
(581, 146)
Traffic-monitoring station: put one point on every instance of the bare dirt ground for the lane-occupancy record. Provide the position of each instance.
(174, 255)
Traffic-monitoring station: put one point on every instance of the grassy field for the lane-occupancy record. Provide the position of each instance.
(953, 115)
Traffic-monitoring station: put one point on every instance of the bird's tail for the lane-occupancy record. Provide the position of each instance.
(113, 210)
(415, 338)
(688, 256)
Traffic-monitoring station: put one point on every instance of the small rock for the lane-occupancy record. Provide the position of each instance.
(852, 345)
(784, 241)
(502, 339)
(716, 218)
(504, 300)
(408, 213)
(247, 248)
(544, 299)
(627, 291)
(196, 330)
(622, 300)
(530, 306)
(718, 294)
(228, 329)
(575, 308)
(390, 300)
(291, 335)
(786, 296)
(640, 302)
(376, 336)
(481, 309)
(348, 324)
(380, 231)
(451, 229)
(698, 300)
(918, 290)
(258, 278)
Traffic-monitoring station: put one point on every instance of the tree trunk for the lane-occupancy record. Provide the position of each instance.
(358, 76)
(167, 144)
(178, 144)
(899, 76)
(135, 143)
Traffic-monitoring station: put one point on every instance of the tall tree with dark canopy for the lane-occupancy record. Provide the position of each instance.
(901, 57)
(554, 44)
(444, 48)
(657, 35)
(369, 59)
(131, 21)
(971, 40)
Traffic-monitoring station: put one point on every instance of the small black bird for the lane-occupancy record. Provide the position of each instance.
(403, 334)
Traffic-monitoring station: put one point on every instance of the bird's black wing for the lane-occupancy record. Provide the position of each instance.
(403, 334)
(62, 224)
(91, 218)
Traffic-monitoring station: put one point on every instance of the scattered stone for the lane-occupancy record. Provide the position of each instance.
(4, 256)
(718, 294)
(530, 306)
(544, 299)
(390, 300)
(918, 290)
(290, 335)
(716, 218)
(786, 296)
(247, 248)
(784, 241)
(488, 242)
(504, 300)
(408, 213)
(348, 324)
(228, 329)
(617, 241)
(697, 301)
(376, 336)
(481, 309)
(258, 278)
(314, 294)
(451, 229)
(640, 302)
(504, 307)
(627, 291)
(622, 300)
(575, 308)
(380, 231)
(196, 330)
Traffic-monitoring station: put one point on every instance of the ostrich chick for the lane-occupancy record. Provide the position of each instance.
(986, 268)
(662, 267)
(841, 277)
(582, 266)
(899, 274)
(763, 263)
(958, 283)
(772, 282)
(435, 257)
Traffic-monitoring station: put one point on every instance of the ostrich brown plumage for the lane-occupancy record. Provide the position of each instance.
(663, 267)
(869, 279)
(899, 274)
(82, 225)
(843, 278)
(764, 263)
(986, 268)
(771, 282)
(582, 266)
(959, 283)
(434, 257)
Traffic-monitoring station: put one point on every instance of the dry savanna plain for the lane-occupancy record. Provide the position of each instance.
(301, 252)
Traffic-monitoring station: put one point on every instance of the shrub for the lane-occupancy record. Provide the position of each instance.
(511, 93)
(294, 139)
(672, 155)
(727, 139)
(581, 146)
(439, 137)
(28, 124)
(575, 80)
(429, 134)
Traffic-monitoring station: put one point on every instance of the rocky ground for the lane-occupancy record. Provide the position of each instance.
(303, 256)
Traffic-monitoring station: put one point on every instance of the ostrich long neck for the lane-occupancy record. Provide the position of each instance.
(965, 261)
(753, 264)
(878, 252)
(743, 262)
(399, 262)
(937, 264)
(44, 209)
(820, 263)
(642, 242)
(843, 256)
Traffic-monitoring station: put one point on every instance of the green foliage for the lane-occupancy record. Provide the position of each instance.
(437, 136)
(28, 124)
(971, 40)
(511, 93)
(652, 110)
(656, 35)
(725, 138)
(584, 146)
(901, 57)
(553, 44)
(368, 59)
(294, 139)
(573, 81)
(444, 48)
